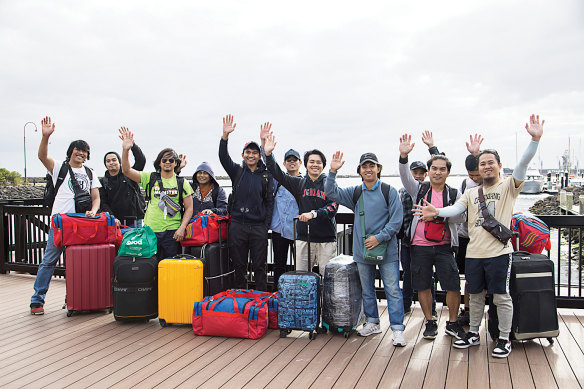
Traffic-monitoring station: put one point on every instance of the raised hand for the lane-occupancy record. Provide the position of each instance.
(270, 144)
(183, 161)
(425, 212)
(428, 138)
(534, 128)
(337, 161)
(405, 145)
(474, 146)
(127, 138)
(265, 130)
(47, 126)
(228, 126)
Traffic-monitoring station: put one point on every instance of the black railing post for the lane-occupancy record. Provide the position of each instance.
(3, 240)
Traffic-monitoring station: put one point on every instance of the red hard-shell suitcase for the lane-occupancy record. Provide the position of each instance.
(89, 274)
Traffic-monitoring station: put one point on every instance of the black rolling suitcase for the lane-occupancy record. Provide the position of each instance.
(218, 272)
(534, 301)
(135, 288)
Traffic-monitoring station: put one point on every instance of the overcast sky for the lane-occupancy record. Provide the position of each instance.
(331, 75)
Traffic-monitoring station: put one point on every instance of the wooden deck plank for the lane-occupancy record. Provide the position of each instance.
(519, 367)
(457, 373)
(541, 371)
(499, 376)
(571, 350)
(478, 358)
(437, 367)
(560, 367)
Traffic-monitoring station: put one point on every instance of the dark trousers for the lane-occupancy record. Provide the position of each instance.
(407, 291)
(167, 247)
(249, 240)
(281, 247)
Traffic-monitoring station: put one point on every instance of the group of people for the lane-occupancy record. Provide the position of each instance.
(439, 226)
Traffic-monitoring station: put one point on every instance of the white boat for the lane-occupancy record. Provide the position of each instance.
(534, 182)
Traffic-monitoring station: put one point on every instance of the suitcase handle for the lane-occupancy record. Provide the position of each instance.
(213, 303)
(82, 237)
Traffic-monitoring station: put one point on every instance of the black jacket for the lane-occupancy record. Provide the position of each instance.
(121, 196)
(310, 196)
(249, 205)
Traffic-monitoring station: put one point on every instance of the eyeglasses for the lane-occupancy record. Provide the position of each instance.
(169, 160)
(291, 159)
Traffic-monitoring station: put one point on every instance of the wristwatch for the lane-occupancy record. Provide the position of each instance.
(313, 214)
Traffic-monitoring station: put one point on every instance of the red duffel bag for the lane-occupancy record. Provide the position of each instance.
(71, 229)
(238, 317)
(270, 297)
(203, 228)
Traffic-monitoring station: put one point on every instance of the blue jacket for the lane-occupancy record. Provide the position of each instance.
(285, 210)
(249, 205)
(380, 219)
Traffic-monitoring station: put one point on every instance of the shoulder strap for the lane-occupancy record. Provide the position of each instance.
(277, 189)
(180, 183)
(357, 193)
(150, 184)
(463, 186)
(76, 188)
(215, 194)
(265, 182)
(424, 188)
(385, 188)
(89, 174)
(452, 193)
(61, 177)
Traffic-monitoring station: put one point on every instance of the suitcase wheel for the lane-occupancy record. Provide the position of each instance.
(283, 333)
(346, 335)
(162, 322)
(110, 310)
(312, 335)
(69, 313)
(551, 340)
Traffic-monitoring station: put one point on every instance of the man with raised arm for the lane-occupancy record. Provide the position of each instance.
(379, 206)
(251, 205)
(432, 243)
(488, 261)
(166, 193)
(62, 174)
(314, 205)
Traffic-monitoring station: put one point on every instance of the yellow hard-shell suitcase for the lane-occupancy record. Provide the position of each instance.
(180, 284)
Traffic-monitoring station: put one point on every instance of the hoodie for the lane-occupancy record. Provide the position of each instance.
(200, 204)
(249, 206)
(310, 195)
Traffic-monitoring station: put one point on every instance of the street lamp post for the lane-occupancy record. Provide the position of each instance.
(24, 137)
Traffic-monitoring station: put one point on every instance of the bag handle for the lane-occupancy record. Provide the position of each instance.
(90, 236)
(82, 215)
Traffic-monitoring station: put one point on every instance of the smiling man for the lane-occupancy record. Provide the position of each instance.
(251, 205)
(62, 174)
(432, 242)
(315, 207)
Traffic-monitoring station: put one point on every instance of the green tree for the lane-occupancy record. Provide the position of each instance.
(9, 178)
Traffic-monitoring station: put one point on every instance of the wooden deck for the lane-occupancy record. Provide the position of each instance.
(93, 350)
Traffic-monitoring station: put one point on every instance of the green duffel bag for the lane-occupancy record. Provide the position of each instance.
(138, 242)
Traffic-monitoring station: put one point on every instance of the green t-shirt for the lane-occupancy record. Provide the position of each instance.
(154, 216)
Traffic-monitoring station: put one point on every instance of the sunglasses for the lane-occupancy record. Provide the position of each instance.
(169, 160)
(291, 159)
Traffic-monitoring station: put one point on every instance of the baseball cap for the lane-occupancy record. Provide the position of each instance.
(418, 165)
(368, 157)
(252, 145)
(291, 153)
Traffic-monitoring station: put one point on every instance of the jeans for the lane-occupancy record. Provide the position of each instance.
(389, 271)
(408, 291)
(46, 268)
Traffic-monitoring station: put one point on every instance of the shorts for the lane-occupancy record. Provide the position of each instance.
(425, 258)
(491, 274)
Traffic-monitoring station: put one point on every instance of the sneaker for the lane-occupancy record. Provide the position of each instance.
(399, 340)
(454, 329)
(464, 318)
(469, 339)
(431, 329)
(370, 329)
(37, 309)
(502, 349)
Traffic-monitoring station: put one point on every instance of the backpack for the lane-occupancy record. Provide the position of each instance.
(265, 181)
(141, 203)
(425, 188)
(385, 188)
(51, 190)
(534, 234)
(155, 177)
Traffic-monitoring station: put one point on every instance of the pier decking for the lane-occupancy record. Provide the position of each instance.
(93, 350)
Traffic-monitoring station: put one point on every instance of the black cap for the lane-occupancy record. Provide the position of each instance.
(418, 165)
(291, 153)
(252, 145)
(368, 157)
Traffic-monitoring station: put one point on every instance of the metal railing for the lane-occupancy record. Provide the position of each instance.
(25, 223)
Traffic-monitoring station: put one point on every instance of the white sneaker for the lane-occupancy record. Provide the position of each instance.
(369, 329)
(399, 339)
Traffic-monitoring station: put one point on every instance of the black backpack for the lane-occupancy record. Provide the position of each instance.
(135, 188)
(385, 188)
(155, 177)
(425, 187)
(265, 181)
(51, 190)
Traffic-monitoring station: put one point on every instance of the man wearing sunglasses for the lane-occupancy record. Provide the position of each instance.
(487, 259)
(166, 193)
(250, 205)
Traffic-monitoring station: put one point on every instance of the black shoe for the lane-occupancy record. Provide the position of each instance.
(464, 318)
(502, 349)
(454, 329)
(431, 329)
(37, 309)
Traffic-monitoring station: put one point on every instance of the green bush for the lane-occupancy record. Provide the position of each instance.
(9, 178)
